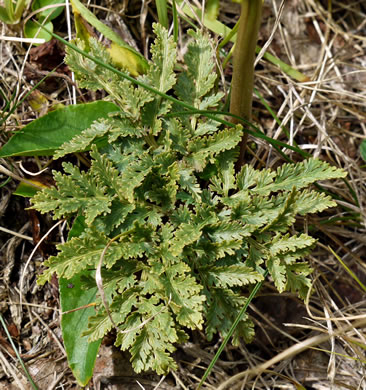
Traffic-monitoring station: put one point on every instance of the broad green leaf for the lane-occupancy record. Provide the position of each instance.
(121, 53)
(4, 16)
(27, 190)
(33, 30)
(363, 150)
(50, 13)
(46, 134)
(81, 354)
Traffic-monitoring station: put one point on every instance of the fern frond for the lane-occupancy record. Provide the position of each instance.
(201, 148)
(313, 202)
(285, 211)
(286, 243)
(106, 174)
(189, 182)
(161, 70)
(152, 343)
(226, 231)
(185, 235)
(184, 293)
(278, 273)
(82, 142)
(249, 178)
(300, 175)
(224, 181)
(191, 236)
(77, 192)
(223, 305)
(199, 78)
(233, 275)
(81, 253)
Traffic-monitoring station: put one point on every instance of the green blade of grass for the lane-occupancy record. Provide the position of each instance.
(231, 330)
(162, 9)
(30, 379)
(175, 22)
(349, 271)
(273, 114)
(15, 106)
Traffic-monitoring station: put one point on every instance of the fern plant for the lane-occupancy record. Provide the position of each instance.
(178, 234)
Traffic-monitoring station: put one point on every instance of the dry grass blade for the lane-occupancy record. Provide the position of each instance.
(287, 354)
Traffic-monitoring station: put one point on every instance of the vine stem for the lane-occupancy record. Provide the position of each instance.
(243, 66)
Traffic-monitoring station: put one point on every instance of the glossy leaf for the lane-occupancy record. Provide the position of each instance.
(33, 30)
(81, 354)
(27, 190)
(363, 150)
(50, 13)
(44, 135)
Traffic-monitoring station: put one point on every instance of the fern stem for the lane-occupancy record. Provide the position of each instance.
(243, 73)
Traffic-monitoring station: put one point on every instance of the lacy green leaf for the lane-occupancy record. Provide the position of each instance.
(297, 280)
(184, 235)
(101, 324)
(80, 253)
(152, 343)
(301, 175)
(184, 295)
(76, 192)
(313, 202)
(106, 174)
(226, 231)
(285, 213)
(278, 273)
(189, 182)
(233, 275)
(223, 307)
(249, 178)
(200, 77)
(83, 141)
(96, 77)
(217, 142)
(161, 70)
(285, 243)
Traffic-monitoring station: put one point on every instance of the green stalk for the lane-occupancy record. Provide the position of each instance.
(162, 9)
(243, 74)
(232, 328)
(15, 349)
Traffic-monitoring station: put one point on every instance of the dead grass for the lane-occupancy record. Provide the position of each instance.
(319, 344)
